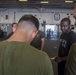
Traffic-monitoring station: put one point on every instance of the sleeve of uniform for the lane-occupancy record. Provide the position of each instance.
(47, 66)
(71, 61)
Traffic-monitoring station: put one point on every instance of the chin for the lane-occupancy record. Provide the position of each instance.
(63, 31)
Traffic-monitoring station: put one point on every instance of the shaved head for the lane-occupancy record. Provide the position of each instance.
(28, 20)
(27, 28)
(26, 25)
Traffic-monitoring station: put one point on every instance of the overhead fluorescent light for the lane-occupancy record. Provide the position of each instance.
(45, 2)
(68, 1)
(23, 0)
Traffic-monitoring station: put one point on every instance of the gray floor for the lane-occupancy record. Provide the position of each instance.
(51, 48)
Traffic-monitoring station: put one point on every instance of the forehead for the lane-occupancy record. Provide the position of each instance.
(64, 23)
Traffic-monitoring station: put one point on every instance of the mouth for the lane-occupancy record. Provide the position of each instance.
(63, 30)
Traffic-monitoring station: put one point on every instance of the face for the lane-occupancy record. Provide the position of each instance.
(65, 27)
(14, 27)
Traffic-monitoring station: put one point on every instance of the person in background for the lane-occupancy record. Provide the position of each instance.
(14, 26)
(71, 59)
(48, 34)
(1, 34)
(39, 40)
(18, 57)
(67, 38)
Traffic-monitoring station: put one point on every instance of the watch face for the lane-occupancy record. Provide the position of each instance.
(57, 16)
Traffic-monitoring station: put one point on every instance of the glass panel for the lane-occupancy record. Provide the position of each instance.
(51, 32)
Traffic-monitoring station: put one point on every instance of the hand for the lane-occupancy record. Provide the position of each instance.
(58, 59)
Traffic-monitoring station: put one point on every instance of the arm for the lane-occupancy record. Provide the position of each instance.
(47, 66)
(42, 44)
(42, 37)
(59, 59)
(71, 61)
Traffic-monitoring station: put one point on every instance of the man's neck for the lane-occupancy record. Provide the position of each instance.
(19, 37)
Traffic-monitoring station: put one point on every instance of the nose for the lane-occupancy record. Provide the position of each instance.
(62, 27)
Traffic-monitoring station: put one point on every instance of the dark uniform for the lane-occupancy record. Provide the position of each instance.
(67, 39)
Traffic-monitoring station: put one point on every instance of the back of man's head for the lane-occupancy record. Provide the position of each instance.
(30, 20)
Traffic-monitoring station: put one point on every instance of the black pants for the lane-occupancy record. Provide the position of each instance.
(61, 68)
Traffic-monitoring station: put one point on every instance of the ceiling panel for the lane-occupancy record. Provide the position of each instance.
(36, 3)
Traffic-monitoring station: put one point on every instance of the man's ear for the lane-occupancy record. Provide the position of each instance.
(34, 33)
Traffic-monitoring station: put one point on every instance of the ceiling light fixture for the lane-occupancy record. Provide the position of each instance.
(68, 1)
(23, 0)
(45, 2)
